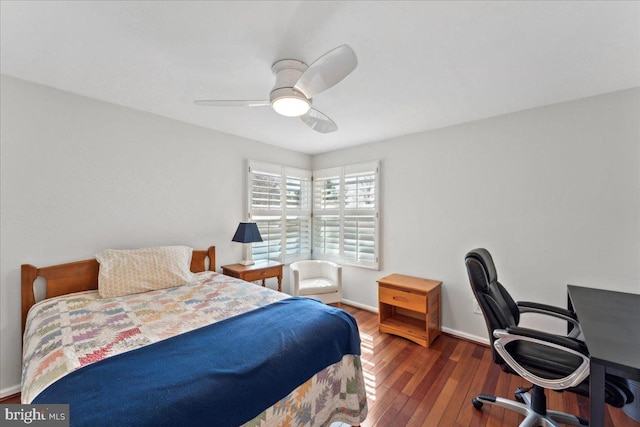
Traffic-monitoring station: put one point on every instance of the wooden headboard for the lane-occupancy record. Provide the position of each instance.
(81, 276)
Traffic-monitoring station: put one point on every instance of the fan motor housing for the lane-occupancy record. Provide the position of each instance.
(287, 72)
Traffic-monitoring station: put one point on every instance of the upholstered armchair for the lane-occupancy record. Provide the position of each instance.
(317, 279)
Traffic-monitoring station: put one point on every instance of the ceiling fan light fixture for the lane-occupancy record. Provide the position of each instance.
(289, 102)
(291, 106)
(297, 83)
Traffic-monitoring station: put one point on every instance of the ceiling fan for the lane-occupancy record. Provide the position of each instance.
(297, 83)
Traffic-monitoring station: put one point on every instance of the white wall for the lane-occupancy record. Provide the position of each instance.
(553, 193)
(79, 176)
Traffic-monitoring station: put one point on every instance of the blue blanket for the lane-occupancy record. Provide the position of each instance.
(224, 374)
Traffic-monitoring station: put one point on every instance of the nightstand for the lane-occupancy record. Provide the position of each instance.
(261, 270)
(409, 307)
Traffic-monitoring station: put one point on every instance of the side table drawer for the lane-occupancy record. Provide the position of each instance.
(231, 273)
(251, 276)
(404, 299)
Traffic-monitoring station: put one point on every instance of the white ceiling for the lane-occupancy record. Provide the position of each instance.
(422, 65)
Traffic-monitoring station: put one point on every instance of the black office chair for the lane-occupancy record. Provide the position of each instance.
(546, 360)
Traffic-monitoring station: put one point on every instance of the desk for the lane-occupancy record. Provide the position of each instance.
(261, 270)
(609, 322)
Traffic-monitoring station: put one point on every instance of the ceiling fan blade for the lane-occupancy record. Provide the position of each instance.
(319, 122)
(231, 103)
(327, 71)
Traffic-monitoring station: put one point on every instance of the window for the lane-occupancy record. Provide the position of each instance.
(280, 204)
(345, 214)
(326, 214)
(297, 214)
(340, 223)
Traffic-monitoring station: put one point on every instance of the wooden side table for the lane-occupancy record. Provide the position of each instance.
(261, 270)
(409, 307)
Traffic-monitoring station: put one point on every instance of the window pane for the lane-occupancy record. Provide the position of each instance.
(266, 190)
(360, 191)
(298, 236)
(298, 194)
(326, 235)
(326, 193)
(359, 237)
(271, 231)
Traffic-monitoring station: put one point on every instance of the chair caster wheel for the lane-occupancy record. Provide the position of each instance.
(476, 403)
(519, 392)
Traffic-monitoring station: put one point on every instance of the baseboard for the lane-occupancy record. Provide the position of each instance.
(449, 331)
(360, 306)
(466, 336)
(9, 391)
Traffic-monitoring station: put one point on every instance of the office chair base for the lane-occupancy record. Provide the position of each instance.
(531, 417)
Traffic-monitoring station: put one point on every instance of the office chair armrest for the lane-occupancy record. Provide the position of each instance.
(550, 310)
(528, 306)
(569, 345)
(567, 342)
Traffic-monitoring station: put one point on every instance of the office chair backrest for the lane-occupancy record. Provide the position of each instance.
(499, 309)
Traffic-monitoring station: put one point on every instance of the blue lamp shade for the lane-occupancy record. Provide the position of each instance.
(247, 232)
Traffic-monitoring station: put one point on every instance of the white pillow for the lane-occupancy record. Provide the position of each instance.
(126, 272)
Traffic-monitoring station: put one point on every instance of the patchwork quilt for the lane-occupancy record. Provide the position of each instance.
(66, 333)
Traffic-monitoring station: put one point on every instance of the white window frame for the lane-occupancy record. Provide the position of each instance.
(342, 212)
(281, 213)
(327, 208)
(313, 212)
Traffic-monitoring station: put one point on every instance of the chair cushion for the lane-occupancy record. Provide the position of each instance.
(317, 285)
(548, 362)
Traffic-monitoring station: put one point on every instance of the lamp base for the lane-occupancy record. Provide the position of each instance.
(246, 262)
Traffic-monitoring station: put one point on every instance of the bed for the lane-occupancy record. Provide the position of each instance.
(214, 350)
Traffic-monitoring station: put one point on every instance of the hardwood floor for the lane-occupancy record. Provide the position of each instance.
(11, 399)
(409, 385)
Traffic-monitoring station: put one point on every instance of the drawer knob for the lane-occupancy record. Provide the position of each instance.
(399, 299)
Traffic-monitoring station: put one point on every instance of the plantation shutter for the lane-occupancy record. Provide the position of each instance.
(280, 204)
(345, 214)
(265, 209)
(360, 215)
(326, 214)
(297, 214)
(331, 214)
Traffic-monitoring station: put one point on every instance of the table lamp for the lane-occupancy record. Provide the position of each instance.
(246, 234)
